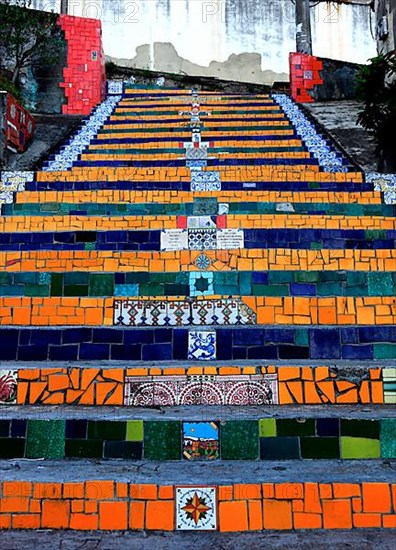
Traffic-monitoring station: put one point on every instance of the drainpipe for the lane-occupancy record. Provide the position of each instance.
(64, 7)
(303, 27)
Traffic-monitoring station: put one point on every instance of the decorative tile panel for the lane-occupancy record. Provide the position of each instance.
(8, 386)
(115, 87)
(201, 441)
(182, 313)
(386, 183)
(389, 378)
(205, 181)
(196, 509)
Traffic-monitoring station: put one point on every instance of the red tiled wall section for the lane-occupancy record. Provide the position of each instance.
(304, 75)
(85, 76)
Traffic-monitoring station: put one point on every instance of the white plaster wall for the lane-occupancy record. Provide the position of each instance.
(239, 39)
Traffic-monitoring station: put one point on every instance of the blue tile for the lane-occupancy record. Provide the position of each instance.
(325, 343)
(157, 352)
(94, 351)
(357, 352)
(327, 427)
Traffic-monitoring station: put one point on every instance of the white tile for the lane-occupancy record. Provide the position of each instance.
(196, 509)
(174, 239)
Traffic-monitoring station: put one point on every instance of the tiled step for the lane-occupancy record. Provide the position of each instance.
(152, 384)
(263, 439)
(156, 496)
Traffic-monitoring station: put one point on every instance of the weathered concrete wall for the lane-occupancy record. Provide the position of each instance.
(245, 40)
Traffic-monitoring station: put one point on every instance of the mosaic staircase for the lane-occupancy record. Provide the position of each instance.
(197, 292)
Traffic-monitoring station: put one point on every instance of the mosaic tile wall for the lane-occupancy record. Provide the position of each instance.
(186, 249)
(266, 439)
(84, 77)
(110, 505)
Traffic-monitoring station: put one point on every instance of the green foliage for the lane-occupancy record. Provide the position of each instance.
(27, 36)
(8, 86)
(376, 87)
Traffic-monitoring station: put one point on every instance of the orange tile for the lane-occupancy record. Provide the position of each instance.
(113, 516)
(376, 497)
(26, 521)
(389, 521)
(367, 520)
(166, 492)
(247, 491)
(346, 490)
(144, 492)
(160, 515)
(337, 514)
(289, 491)
(99, 490)
(255, 515)
(225, 492)
(312, 504)
(233, 516)
(136, 515)
(277, 514)
(84, 522)
(307, 521)
(56, 514)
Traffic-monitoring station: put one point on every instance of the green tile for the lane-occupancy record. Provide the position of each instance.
(302, 337)
(76, 278)
(45, 439)
(162, 440)
(57, 284)
(134, 430)
(359, 447)
(101, 284)
(270, 290)
(245, 283)
(380, 284)
(360, 428)
(388, 438)
(281, 276)
(106, 430)
(239, 440)
(384, 351)
(75, 290)
(288, 426)
(267, 427)
(307, 277)
(320, 447)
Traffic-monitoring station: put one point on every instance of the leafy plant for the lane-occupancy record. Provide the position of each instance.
(7, 86)
(27, 36)
(376, 87)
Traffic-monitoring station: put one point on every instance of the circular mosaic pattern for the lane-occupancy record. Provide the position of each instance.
(202, 261)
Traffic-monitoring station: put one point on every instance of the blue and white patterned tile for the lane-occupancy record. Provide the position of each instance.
(115, 87)
(201, 283)
(207, 180)
(12, 182)
(202, 345)
(329, 160)
(65, 159)
(386, 183)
